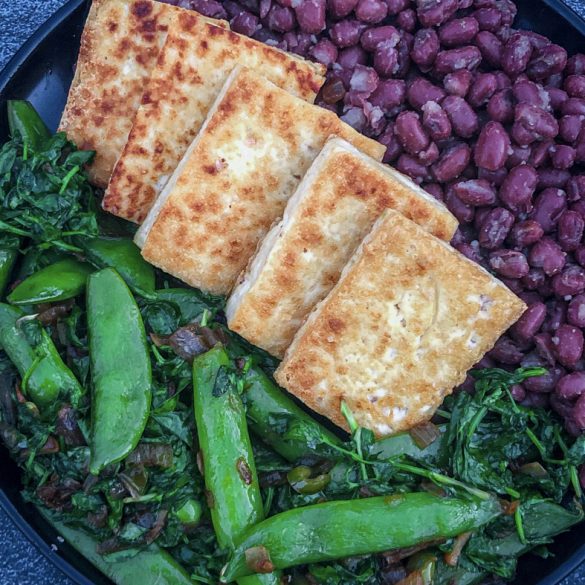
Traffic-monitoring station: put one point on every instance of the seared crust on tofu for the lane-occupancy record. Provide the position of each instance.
(408, 318)
(192, 67)
(235, 180)
(119, 48)
(300, 260)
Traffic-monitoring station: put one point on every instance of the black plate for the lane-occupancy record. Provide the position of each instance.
(41, 72)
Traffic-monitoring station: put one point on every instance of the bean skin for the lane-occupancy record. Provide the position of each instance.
(571, 281)
(534, 279)
(570, 127)
(509, 263)
(425, 48)
(410, 166)
(570, 230)
(483, 88)
(435, 13)
(557, 97)
(528, 92)
(389, 140)
(500, 106)
(575, 86)
(536, 121)
(410, 132)
(341, 8)
(468, 57)
(530, 322)
(495, 228)
(571, 386)
(462, 211)
(488, 19)
(476, 192)
(492, 148)
(406, 20)
(386, 59)
(490, 47)
(518, 155)
(548, 255)
(516, 54)
(373, 36)
(518, 187)
(458, 83)
(390, 94)
(549, 60)
(575, 187)
(463, 119)
(568, 343)
(451, 163)
(324, 52)
(525, 233)
(346, 33)
(549, 205)
(459, 31)
(371, 11)
(436, 121)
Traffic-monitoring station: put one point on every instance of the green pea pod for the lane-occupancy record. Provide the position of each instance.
(8, 258)
(230, 472)
(123, 255)
(45, 377)
(152, 565)
(63, 280)
(276, 419)
(121, 370)
(24, 121)
(348, 528)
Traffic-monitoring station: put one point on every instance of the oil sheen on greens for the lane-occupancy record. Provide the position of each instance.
(483, 442)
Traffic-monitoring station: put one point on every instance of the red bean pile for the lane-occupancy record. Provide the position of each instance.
(488, 119)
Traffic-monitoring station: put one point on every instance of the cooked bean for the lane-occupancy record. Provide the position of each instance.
(462, 211)
(410, 132)
(429, 155)
(425, 48)
(571, 281)
(341, 8)
(495, 228)
(490, 47)
(540, 153)
(579, 255)
(488, 19)
(568, 342)
(576, 311)
(281, 19)
(521, 136)
(571, 386)
(540, 386)
(469, 252)
(434, 189)
(244, 23)
(355, 117)
(549, 60)
(518, 155)
(463, 119)
(518, 187)
(433, 13)
(371, 37)
(525, 233)
(310, 15)
(548, 208)
(530, 322)
(492, 148)
(436, 121)
(580, 146)
(406, 20)
(389, 94)
(476, 192)
(397, 6)
(573, 107)
(458, 82)
(563, 156)
(535, 120)
(346, 33)
(324, 52)
(575, 187)
(576, 65)
(509, 263)
(403, 48)
(483, 88)
(516, 54)
(452, 163)
(549, 177)
(557, 97)
(459, 31)
(500, 107)
(570, 127)
(578, 418)
(389, 140)
(386, 59)
(495, 177)
(364, 79)
(548, 255)
(575, 86)
(518, 392)
(371, 11)
(526, 91)
(420, 91)
(506, 351)
(410, 166)
(534, 279)
(468, 57)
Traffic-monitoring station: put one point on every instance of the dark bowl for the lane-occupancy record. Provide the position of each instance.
(42, 72)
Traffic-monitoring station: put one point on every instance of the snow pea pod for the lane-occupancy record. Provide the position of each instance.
(230, 472)
(152, 565)
(24, 121)
(8, 258)
(123, 255)
(45, 377)
(63, 280)
(347, 528)
(121, 369)
(276, 419)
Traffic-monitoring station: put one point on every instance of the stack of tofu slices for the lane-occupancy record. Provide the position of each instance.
(332, 261)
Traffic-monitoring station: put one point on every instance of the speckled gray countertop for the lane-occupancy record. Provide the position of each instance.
(20, 563)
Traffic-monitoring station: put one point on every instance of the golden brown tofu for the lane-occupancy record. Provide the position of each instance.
(408, 318)
(235, 179)
(119, 48)
(192, 67)
(301, 258)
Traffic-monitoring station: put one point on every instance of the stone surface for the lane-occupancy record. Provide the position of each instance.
(20, 563)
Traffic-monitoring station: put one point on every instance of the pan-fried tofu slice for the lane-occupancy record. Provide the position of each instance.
(119, 48)
(301, 258)
(235, 179)
(192, 67)
(408, 318)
